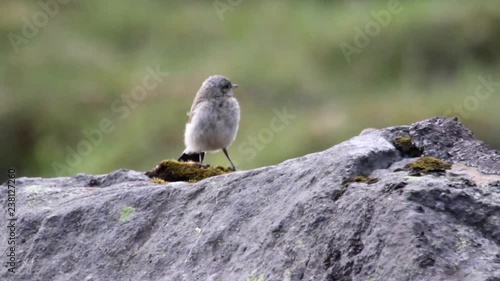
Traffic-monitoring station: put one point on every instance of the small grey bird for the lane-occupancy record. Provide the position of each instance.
(213, 120)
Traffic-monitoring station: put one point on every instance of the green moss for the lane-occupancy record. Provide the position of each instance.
(126, 213)
(405, 145)
(363, 179)
(426, 165)
(173, 170)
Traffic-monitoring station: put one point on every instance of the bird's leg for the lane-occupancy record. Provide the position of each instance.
(229, 158)
(201, 157)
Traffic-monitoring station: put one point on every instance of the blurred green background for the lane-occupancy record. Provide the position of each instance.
(84, 57)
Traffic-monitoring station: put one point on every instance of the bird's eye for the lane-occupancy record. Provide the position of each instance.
(227, 86)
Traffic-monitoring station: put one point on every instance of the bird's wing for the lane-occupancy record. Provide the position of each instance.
(198, 100)
(191, 113)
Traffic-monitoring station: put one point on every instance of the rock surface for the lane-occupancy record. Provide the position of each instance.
(292, 221)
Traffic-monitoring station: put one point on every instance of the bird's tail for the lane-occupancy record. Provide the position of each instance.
(194, 157)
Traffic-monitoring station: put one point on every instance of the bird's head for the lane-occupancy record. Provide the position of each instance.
(217, 86)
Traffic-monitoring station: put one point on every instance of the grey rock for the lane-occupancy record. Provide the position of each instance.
(448, 139)
(297, 220)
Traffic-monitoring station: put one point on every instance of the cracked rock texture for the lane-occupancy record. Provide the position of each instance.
(292, 221)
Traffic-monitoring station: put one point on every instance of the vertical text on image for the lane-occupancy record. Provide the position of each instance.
(11, 221)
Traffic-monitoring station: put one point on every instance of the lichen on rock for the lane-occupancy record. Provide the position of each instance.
(125, 213)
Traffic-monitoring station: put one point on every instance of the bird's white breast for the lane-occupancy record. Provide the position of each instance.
(213, 125)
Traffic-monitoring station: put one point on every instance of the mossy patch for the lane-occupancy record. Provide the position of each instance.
(426, 165)
(173, 170)
(158, 181)
(406, 146)
(126, 213)
(363, 179)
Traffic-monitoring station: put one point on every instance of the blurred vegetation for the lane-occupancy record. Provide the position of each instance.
(282, 54)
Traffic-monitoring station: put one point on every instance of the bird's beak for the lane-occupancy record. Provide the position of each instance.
(235, 86)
